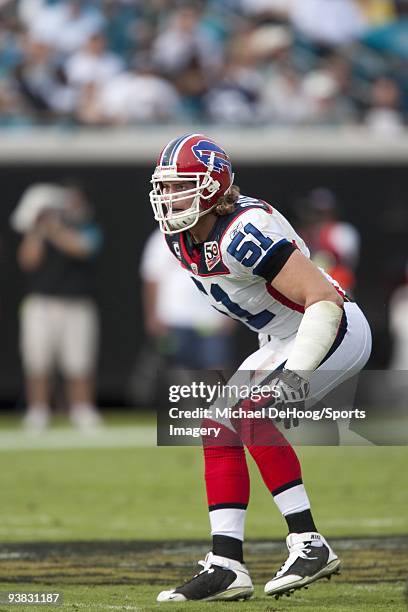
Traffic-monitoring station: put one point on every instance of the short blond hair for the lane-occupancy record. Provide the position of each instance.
(226, 204)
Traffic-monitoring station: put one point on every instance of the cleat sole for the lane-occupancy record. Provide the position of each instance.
(332, 568)
(237, 594)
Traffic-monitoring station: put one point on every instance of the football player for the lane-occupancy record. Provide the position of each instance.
(247, 259)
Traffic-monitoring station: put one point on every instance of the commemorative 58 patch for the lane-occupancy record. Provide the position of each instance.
(211, 254)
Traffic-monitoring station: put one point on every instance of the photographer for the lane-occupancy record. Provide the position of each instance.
(59, 322)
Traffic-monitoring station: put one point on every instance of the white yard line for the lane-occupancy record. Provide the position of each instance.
(105, 437)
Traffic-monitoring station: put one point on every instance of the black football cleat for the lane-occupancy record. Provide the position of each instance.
(310, 558)
(220, 579)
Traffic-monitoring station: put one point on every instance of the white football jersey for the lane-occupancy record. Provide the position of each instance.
(234, 267)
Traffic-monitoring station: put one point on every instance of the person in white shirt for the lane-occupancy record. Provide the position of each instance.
(93, 64)
(183, 40)
(66, 26)
(193, 335)
(332, 23)
(135, 96)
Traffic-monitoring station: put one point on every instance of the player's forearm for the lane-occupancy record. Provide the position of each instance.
(31, 252)
(70, 242)
(316, 334)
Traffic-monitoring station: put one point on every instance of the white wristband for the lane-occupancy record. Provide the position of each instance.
(316, 334)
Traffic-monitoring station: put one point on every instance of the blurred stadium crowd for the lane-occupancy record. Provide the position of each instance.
(283, 62)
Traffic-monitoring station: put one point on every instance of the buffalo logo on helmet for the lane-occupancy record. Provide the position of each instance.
(203, 149)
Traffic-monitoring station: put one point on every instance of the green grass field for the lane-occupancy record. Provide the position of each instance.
(109, 527)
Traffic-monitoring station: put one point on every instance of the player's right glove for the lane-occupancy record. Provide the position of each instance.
(291, 392)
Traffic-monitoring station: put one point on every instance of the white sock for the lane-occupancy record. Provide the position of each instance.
(292, 500)
(228, 522)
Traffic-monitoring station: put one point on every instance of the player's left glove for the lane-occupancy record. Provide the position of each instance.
(291, 392)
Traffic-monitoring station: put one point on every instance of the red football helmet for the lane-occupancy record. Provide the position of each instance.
(195, 158)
